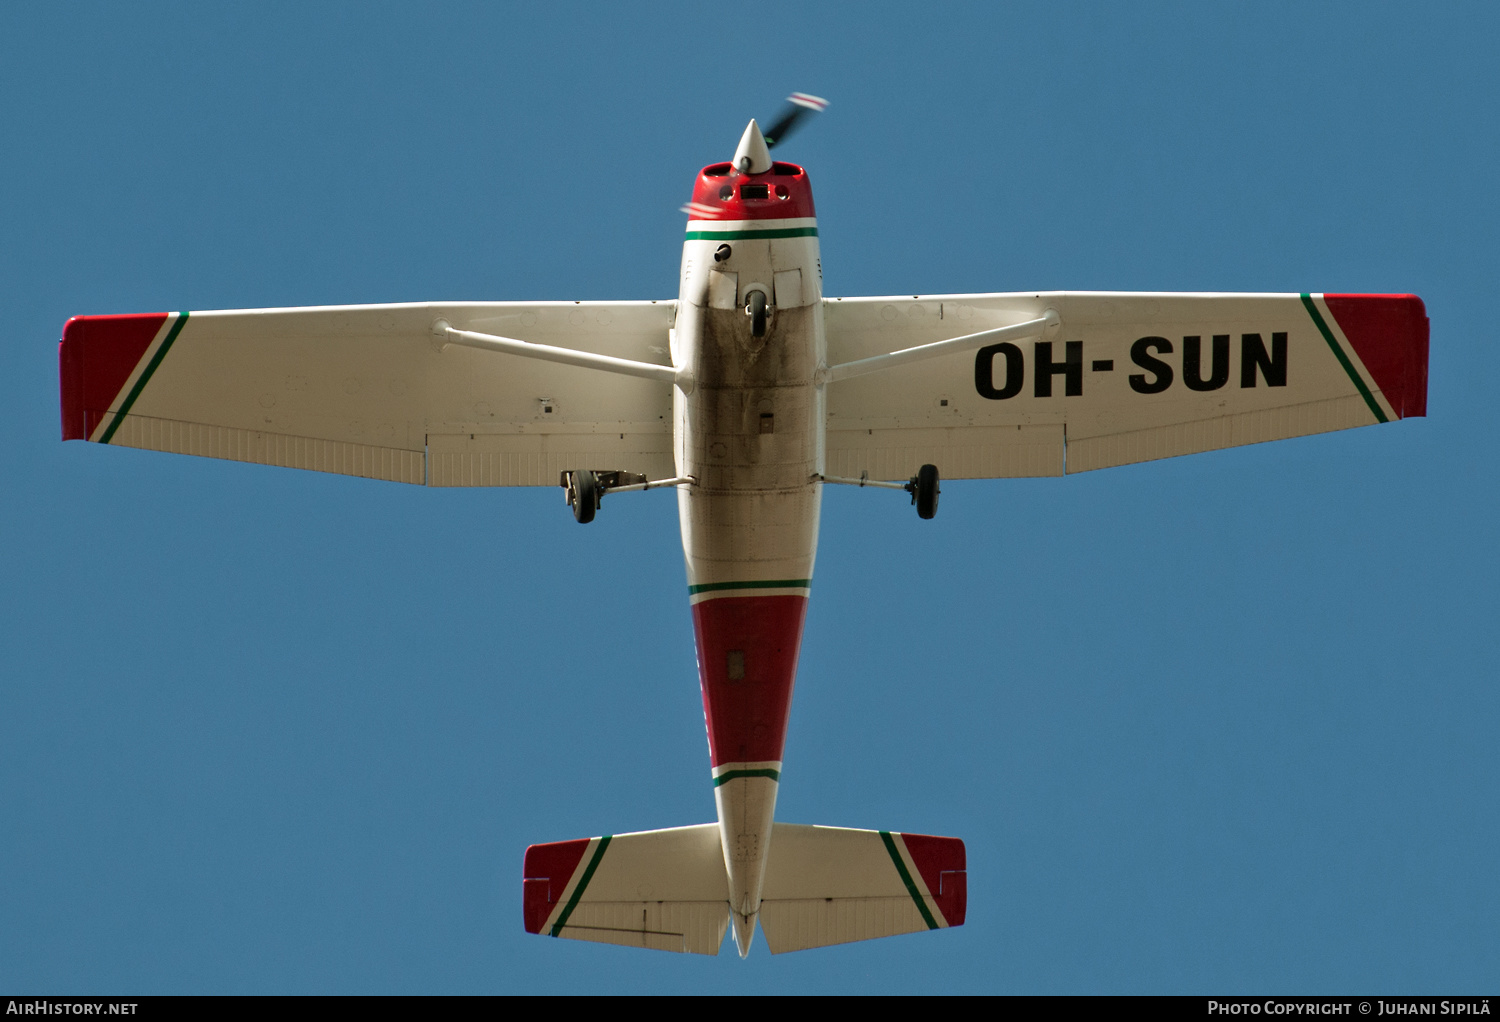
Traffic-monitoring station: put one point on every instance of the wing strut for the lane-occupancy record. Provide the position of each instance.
(1048, 323)
(567, 356)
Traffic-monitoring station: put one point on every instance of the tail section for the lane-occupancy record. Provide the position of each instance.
(661, 889)
(668, 890)
(831, 885)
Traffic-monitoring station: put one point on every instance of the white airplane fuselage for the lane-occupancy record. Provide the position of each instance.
(750, 433)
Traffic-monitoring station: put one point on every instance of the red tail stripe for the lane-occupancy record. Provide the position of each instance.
(747, 716)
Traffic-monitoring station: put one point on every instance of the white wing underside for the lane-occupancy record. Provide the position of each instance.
(887, 424)
(371, 391)
(368, 391)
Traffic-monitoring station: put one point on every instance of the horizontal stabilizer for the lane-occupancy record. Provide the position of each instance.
(666, 890)
(831, 885)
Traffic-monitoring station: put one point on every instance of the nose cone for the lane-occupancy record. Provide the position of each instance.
(753, 156)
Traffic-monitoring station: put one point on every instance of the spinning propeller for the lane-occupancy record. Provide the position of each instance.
(754, 153)
(798, 106)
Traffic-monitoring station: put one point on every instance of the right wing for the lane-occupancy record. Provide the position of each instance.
(367, 390)
(1127, 377)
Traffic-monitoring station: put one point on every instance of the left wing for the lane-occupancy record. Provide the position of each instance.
(1119, 378)
(369, 390)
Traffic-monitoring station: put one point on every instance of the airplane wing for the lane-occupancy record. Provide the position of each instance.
(1118, 378)
(368, 390)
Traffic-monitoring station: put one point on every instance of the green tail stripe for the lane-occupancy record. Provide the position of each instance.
(140, 384)
(911, 888)
(779, 232)
(1338, 353)
(730, 775)
(588, 874)
(783, 583)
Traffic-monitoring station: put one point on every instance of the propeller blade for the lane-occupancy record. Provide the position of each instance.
(799, 105)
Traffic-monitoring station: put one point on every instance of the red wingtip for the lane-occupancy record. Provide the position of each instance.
(95, 357)
(1390, 333)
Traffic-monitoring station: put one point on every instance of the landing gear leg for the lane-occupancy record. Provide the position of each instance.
(924, 491)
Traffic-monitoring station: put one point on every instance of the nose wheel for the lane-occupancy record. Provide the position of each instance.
(755, 308)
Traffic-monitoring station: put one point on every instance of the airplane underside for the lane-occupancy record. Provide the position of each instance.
(772, 392)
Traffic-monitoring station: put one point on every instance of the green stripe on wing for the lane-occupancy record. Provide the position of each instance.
(140, 384)
(1343, 358)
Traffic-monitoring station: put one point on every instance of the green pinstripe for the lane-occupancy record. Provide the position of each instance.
(140, 384)
(911, 887)
(1338, 352)
(783, 583)
(583, 882)
(777, 232)
(730, 775)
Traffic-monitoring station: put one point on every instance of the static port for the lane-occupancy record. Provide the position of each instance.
(755, 191)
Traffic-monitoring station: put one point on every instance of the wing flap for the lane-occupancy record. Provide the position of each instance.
(964, 452)
(534, 459)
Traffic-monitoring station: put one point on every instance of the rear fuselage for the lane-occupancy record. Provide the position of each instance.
(750, 433)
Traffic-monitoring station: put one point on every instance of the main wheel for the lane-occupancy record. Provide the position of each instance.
(926, 493)
(757, 309)
(585, 496)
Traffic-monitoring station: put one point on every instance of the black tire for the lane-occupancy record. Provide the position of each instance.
(927, 491)
(585, 496)
(757, 308)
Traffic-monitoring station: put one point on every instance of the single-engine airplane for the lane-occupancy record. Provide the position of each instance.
(748, 394)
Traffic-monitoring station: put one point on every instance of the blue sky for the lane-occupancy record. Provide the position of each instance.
(1223, 723)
